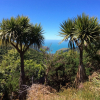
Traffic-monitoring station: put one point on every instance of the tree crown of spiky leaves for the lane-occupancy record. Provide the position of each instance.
(80, 30)
(19, 31)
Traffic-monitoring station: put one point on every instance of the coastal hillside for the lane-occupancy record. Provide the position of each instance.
(66, 50)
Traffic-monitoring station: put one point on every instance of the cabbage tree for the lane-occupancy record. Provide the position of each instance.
(21, 34)
(80, 31)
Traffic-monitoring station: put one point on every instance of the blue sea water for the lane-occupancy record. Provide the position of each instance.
(54, 45)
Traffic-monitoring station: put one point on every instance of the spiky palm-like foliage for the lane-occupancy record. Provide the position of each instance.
(81, 31)
(20, 34)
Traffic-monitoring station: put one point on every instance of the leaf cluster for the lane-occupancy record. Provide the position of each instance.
(81, 30)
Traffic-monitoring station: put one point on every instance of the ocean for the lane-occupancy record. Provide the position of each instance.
(54, 45)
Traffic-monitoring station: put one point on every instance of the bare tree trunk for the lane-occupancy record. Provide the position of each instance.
(22, 73)
(81, 74)
(22, 95)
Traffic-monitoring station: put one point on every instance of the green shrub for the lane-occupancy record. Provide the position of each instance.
(10, 71)
(63, 69)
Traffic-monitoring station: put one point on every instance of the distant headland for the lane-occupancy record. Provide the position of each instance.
(63, 49)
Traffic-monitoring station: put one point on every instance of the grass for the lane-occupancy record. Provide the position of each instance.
(86, 93)
(90, 91)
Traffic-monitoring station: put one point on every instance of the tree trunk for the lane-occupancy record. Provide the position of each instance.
(22, 96)
(81, 75)
(22, 73)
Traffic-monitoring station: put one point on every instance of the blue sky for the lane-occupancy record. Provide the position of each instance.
(50, 13)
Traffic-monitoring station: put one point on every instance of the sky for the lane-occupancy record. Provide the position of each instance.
(49, 13)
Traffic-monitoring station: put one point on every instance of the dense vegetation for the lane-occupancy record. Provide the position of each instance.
(59, 70)
(62, 68)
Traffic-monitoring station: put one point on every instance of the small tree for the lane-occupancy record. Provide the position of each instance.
(48, 58)
(81, 31)
(21, 34)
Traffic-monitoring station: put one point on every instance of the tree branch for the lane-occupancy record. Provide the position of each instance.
(15, 47)
(26, 48)
(20, 46)
(17, 44)
(76, 42)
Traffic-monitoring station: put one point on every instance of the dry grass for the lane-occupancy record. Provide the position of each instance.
(42, 92)
(89, 91)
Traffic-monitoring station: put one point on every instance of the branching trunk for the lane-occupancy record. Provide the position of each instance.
(81, 75)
